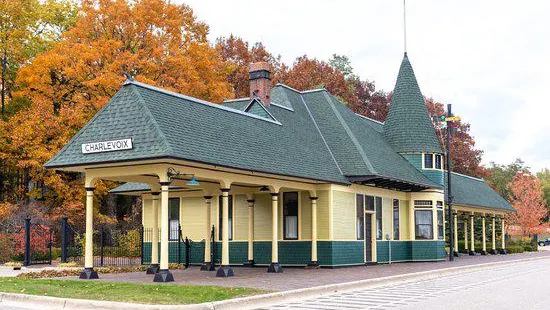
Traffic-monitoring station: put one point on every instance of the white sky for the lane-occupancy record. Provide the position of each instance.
(489, 59)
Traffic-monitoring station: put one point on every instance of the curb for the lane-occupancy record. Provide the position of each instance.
(46, 302)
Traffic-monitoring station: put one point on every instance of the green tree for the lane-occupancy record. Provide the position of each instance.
(501, 176)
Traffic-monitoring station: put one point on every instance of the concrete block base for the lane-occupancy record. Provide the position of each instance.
(163, 275)
(88, 274)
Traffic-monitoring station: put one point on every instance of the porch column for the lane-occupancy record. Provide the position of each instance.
(472, 244)
(314, 262)
(250, 262)
(503, 249)
(466, 235)
(225, 270)
(154, 268)
(208, 264)
(455, 234)
(412, 233)
(89, 272)
(274, 267)
(493, 233)
(483, 237)
(164, 274)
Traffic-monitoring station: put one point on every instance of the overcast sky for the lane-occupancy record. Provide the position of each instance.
(489, 59)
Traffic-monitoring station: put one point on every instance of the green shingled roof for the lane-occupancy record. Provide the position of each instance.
(475, 192)
(163, 124)
(408, 127)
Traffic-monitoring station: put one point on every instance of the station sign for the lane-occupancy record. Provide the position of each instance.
(107, 146)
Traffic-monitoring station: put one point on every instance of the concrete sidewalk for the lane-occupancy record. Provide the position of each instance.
(297, 278)
(21, 301)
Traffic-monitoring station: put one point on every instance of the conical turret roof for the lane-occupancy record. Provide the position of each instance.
(409, 127)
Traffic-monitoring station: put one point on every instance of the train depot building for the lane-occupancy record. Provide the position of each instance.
(283, 178)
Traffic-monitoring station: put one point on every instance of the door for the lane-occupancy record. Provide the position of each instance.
(368, 237)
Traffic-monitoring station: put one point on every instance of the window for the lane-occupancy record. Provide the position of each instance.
(423, 221)
(369, 203)
(438, 161)
(173, 218)
(230, 215)
(360, 207)
(396, 219)
(290, 215)
(378, 206)
(428, 161)
(440, 220)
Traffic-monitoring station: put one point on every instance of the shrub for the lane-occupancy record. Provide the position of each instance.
(529, 248)
(69, 264)
(514, 249)
(8, 251)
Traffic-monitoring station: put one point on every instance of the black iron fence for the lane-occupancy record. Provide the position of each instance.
(112, 246)
(180, 249)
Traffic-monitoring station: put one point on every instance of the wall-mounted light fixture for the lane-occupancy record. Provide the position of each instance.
(174, 174)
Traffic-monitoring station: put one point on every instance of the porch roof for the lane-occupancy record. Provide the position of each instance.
(474, 192)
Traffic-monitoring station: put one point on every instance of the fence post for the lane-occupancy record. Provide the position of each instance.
(179, 244)
(187, 250)
(141, 244)
(64, 240)
(27, 261)
(212, 247)
(102, 241)
(50, 247)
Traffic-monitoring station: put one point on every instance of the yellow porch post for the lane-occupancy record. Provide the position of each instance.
(154, 268)
(493, 233)
(89, 272)
(412, 234)
(225, 270)
(472, 244)
(314, 262)
(503, 249)
(483, 237)
(208, 265)
(164, 274)
(455, 234)
(250, 201)
(466, 235)
(274, 267)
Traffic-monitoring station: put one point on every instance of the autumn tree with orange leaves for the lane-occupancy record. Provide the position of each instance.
(153, 41)
(527, 199)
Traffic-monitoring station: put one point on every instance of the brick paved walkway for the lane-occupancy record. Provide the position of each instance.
(295, 278)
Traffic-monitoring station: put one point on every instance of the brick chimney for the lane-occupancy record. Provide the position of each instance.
(260, 81)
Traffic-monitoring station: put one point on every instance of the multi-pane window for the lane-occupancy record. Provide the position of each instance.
(369, 203)
(378, 206)
(438, 163)
(396, 219)
(230, 215)
(423, 219)
(440, 220)
(173, 218)
(360, 210)
(290, 215)
(428, 161)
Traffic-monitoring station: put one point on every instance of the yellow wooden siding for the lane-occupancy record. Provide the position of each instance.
(387, 217)
(404, 220)
(305, 220)
(147, 212)
(323, 215)
(344, 215)
(240, 218)
(192, 218)
(262, 216)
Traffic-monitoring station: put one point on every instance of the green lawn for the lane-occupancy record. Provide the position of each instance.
(128, 292)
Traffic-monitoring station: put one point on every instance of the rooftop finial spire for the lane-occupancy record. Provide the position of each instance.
(404, 27)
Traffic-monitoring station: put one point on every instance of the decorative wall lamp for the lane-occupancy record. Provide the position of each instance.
(174, 174)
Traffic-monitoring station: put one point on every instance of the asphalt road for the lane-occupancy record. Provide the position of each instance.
(523, 285)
